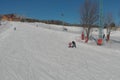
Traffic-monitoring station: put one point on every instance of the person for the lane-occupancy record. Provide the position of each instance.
(37, 25)
(73, 44)
(103, 36)
(70, 44)
(14, 28)
(108, 37)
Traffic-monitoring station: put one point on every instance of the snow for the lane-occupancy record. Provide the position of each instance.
(42, 53)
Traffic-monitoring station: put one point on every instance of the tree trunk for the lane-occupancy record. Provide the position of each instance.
(108, 33)
(88, 33)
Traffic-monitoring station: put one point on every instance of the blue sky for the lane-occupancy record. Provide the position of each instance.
(52, 9)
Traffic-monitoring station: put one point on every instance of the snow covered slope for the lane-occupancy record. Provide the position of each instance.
(37, 53)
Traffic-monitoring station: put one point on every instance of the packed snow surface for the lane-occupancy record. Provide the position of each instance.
(42, 53)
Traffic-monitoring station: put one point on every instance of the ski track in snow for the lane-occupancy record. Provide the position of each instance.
(35, 53)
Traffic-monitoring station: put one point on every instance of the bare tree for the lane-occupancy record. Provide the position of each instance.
(89, 14)
(109, 21)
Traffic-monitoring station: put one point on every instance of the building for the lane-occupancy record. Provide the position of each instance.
(10, 17)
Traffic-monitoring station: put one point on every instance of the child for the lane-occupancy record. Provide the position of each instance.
(73, 44)
(70, 45)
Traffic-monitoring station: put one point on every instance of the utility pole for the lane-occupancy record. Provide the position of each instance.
(100, 18)
(100, 40)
